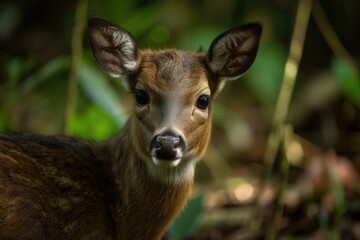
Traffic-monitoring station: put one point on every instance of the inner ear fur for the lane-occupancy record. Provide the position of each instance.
(114, 48)
(233, 52)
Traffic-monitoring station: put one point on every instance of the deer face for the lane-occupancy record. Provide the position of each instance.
(172, 112)
(172, 91)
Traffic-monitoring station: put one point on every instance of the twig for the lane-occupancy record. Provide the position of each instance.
(331, 37)
(290, 74)
(288, 136)
(276, 137)
(77, 51)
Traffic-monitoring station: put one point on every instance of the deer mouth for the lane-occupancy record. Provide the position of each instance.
(170, 163)
(167, 149)
(166, 157)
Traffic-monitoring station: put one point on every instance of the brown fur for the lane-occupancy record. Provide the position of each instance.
(52, 190)
(64, 188)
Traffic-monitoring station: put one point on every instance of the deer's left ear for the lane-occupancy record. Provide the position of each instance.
(114, 47)
(232, 53)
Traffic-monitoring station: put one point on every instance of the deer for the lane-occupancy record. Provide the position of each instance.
(133, 185)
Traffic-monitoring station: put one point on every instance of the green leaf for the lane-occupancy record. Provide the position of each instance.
(348, 79)
(339, 195)
(142, 20)
(16, 69)
(97, 87)
(187, 222)
(265, 76)
(114, 10)
(199, 38)
(136, 20)
(55, 66)
(93, 123)
(323, 218)
(2, 121)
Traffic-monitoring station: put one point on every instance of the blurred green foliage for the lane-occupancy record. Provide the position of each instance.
(93, 123)
(348, 79)
(183, 24)
(98, 89)
(35, 61)
(188, 220)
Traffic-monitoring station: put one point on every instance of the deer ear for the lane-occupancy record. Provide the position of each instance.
(114, 47)
(232, 53)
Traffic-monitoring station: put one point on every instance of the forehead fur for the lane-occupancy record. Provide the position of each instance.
(167, 69)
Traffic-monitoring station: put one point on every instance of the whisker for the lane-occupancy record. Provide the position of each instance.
(124, 115)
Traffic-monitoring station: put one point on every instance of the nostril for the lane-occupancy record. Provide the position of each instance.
(166, 147)
(176, 142)
(167, 142)
(157, 143)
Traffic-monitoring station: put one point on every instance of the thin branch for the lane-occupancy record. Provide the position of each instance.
(277, 135)
(77, 52)
(283, 182)
(288, 83)
(331, 37)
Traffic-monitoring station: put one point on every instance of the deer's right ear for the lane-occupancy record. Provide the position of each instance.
(114, 47)
(232, 53)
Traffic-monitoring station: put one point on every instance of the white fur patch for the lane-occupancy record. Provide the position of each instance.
(172, 172)
(127, 49)
(166, 163)
(130, 65)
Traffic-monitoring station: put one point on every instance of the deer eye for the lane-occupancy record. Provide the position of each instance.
(203, 101)
(141, 97)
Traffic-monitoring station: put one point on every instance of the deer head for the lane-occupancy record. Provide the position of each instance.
(173, 91)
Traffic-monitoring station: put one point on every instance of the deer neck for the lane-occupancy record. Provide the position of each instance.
(143, 200)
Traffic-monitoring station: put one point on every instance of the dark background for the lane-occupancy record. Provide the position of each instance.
(319, 199)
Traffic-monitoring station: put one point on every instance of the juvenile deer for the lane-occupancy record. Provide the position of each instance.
(132, 186)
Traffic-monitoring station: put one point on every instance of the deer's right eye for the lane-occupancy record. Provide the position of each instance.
(141, 97)
(203, 101)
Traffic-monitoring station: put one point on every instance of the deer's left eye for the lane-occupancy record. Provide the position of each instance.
(141, 97)
(203, 101)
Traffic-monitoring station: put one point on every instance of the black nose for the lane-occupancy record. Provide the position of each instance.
(167, 146)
